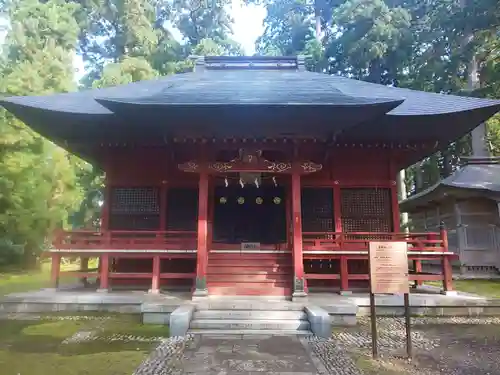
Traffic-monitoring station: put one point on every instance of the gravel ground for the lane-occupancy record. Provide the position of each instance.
(442, 346)
(449, 346)
(165, 358)
(332, 355)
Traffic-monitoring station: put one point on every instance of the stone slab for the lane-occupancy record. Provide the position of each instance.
(319, 320)
(180, 320)
(424, 301)
(157, 307)
(250, 332)
(227, 324)
(156, 318)
(45, 301)
(250, 314)
(244, 304)
(248, 355)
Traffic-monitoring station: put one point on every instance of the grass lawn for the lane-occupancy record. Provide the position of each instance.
(487, 288)
(36, 348)
(23, 281)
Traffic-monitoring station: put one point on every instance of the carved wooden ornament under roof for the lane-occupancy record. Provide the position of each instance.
(251, 162)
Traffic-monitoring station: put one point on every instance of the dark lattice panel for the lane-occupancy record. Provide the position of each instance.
(134, 209)
(317, 209)
(182, 209)
(366, 210)
(135, 200)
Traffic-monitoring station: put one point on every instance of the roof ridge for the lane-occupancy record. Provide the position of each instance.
(249, 62)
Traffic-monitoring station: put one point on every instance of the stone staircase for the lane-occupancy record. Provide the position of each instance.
(250, 317)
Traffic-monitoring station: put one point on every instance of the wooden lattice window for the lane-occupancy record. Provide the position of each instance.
(134, 208)
(317, 209)
(366, 210)
(182, 209)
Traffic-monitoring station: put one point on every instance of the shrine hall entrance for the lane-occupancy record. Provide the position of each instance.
(249, 214)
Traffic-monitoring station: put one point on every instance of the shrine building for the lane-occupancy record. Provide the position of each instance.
(249, 176)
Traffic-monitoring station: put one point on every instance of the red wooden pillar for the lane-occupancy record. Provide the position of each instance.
(104, 273)
(337, 213)
(202, 254)
(288, 218)
(210, 221)
(55, 270)
(396, 225)
(298, 260)
(417, 266)
(155, 281)
(445, 263)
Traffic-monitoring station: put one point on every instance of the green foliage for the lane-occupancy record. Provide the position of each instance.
(10, 253)
(288, 27)
(38, 184)
(130, 69)
(412, 43)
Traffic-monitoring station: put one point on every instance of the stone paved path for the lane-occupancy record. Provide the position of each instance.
(245, 355)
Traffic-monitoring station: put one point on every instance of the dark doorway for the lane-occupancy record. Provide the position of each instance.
(182, 209)
(249, 214)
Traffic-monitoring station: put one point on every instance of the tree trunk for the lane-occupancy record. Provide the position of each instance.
(478, 135)
(479, 145)
(447, 168)
(419, 178)
(401, 178)
(317, 17)
(31, 258)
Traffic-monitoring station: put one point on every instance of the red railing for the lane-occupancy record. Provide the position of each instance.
(117, 239)
(359, 241)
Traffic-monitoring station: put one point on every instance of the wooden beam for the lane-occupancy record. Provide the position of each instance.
(251, 162)
(298, 260)
(202, 255)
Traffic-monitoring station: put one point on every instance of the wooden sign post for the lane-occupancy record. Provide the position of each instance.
(389, 275)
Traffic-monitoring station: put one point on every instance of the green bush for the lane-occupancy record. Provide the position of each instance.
(10, 254)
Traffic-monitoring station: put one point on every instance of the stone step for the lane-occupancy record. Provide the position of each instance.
(270, 332)
(250, 314)
(262, 324)
(257, 304)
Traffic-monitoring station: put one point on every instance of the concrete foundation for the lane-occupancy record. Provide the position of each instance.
(157, 309)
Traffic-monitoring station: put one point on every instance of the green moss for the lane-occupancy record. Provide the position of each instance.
(131, 325)
(486, 288)
(24, 281)
(35, 347)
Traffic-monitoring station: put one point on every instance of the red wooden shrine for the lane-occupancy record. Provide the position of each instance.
(249, 176)
(247, 217)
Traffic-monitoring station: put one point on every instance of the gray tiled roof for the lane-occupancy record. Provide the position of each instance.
(242, 102)
(254, 87)
(478, 177)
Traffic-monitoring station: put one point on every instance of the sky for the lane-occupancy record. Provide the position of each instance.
(248, 26)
